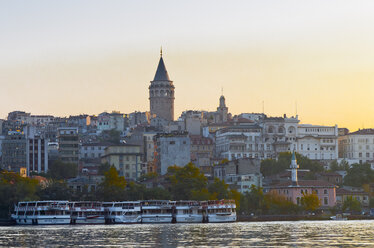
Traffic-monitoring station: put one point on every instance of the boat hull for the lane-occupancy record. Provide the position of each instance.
(213, 218)
(189, 218)
(98, 220)
(156, 219)
(126, 220)
(44, 221)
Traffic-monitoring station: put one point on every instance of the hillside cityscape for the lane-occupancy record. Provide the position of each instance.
(269, 165)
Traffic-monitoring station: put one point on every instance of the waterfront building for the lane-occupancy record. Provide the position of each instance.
(161, 93)
(68, 144)
(357, 147)
(294, 189)
(126, 158)
(172, 149)
(342, 194)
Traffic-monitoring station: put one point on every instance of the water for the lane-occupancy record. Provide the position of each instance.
(244, 234)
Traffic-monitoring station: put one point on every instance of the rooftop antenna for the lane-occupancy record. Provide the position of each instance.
(263, 107)
(221, 91)
(296, 107)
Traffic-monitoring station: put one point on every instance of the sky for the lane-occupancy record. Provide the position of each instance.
(314, 58)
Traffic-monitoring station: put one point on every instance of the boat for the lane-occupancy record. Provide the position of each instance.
(87, 212)
(219, 211)
(338, 217)
(42, 213)
(157, 211)
(188, 212)
(126, 212)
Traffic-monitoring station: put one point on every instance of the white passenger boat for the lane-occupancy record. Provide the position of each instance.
(157, 211)
(87, 212)
(188, 212)
(220, 211)
(126, 212)
(42, 213)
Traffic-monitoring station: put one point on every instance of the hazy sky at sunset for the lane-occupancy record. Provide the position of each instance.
(71, 57)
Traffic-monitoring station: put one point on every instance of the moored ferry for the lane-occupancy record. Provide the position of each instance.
(87, 212)
(188, 212)
(125, 212)
(42, 213)
(220, 211)
(157, 211)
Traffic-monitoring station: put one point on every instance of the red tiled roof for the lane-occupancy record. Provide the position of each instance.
(331, 173)
(306, 183)
(363, 131)
(341, 191)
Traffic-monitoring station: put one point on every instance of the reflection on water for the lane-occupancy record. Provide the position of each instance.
(260, 234)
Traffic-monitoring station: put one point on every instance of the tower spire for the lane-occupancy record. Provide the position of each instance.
(161, 51)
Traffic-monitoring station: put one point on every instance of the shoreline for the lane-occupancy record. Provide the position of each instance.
(265, 218)
(262, 218)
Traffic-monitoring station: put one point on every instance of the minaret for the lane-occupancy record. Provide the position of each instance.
(161, 93)
(294, 166)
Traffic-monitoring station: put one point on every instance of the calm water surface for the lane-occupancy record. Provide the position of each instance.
(244, 234)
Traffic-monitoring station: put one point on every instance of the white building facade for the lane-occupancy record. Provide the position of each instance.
(277, 134)
(357, 146)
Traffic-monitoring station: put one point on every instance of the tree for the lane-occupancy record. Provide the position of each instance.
(218, 190)
(157, 193)
(61, 170)
(55, 190)
(278, 204)
(351, 204)
(149, 175)
(14, 188)
(310, 202)
(200, 195)
(334, 166)
(113, 186)
(103, 168)
(358, 175)
(270, 166)
(185, 180)
(252, 201)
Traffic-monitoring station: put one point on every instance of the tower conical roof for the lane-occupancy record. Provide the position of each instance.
(161, 73)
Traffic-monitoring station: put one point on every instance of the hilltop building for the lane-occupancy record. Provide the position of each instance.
(172, 149)
(357, 147)
(161, 93)
(68, 144)
(126, 158)
(14, 152)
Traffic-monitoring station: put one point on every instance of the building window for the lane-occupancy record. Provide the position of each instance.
(325, 201)
(325, 191)
(172, 142)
